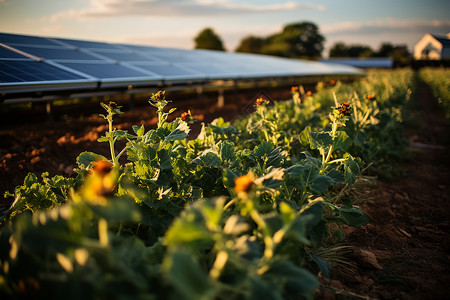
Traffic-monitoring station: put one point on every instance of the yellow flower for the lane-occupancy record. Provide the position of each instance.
(100, 183)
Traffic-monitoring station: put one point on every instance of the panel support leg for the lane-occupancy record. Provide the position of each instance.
(221, 98)
(199, 91)
(131, 102)
(49, 112)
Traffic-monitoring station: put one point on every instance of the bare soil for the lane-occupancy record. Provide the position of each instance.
(404, 253)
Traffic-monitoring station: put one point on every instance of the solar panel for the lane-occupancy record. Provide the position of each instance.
(89, 64)
(31, 71)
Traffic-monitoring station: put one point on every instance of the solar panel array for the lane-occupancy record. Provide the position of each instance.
(30, 63)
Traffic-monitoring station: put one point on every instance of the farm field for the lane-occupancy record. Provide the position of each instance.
(298, 199)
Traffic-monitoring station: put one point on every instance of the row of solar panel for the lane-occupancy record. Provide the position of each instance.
(37, 59)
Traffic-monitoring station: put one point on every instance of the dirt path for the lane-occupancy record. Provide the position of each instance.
(404, 253)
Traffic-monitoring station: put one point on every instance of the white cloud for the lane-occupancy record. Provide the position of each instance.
(176, 8)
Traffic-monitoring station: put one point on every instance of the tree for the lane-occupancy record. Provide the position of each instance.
(298, 40)
(208, 39)
(251, 44)
(399, 53)
(342, 50)
(339, 50)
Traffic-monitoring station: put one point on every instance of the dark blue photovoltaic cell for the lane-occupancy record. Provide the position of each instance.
(88, 44)
(105, 70)
(57, 53)
(165, 69)
(24, 71)
(174, 57)
(15, 39)
(124, 56)
(6, 53)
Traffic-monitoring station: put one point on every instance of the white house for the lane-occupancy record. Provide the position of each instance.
(432, 47)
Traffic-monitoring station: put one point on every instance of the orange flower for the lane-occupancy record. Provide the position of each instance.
(370, 97)
(308, 93)
(159, 95)
(260, 101)
(102, 167)
(112, 105)
(243, 183)
(294, 89)
(345, 109)
(332, 82)
(185, 117)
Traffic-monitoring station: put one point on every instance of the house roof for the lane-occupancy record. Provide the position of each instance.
(443, 40)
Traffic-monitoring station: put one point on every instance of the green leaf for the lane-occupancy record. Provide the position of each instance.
(351, 168)
(211, 159)
(165, 177)
(287, 213)
(103, 139)
(118, 210)
(228, 178)
(314, 216)
(185, 273)
(321, 183)
(30, 179)
(342, 141)
(139, 130)
(86, 158)
(164, 160)
(227, 151)
(304, 136)
(320, 140)
(324, 267)
(295, 280)
(185, 231)
(297, 170)
(179, 133)
(264, 149)
(337, 176)
(353, 216)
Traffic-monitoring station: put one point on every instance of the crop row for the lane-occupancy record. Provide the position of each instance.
(246, 210)
(439, 82)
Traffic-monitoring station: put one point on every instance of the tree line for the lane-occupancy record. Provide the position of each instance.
(300, 40)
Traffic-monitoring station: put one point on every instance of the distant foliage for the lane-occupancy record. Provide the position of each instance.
(399, 53)
(208, 39)
(298, 40)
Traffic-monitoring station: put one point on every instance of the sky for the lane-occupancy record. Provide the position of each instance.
(175, 23)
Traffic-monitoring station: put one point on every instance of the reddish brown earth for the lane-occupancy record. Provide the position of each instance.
(403, 253)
